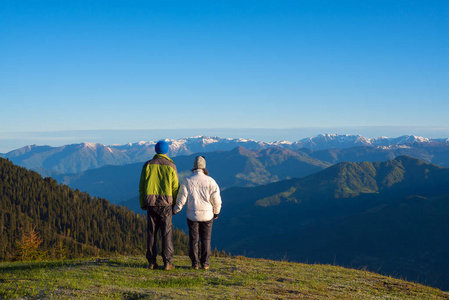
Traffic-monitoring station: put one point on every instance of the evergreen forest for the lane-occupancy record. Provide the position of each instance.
(40, 218)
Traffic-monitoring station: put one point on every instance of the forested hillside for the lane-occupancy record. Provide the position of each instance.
(69, 223)
(390, 217)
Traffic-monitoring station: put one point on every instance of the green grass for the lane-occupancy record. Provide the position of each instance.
(228, 278)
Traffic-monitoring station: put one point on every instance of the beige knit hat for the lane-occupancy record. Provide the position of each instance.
(199, 163)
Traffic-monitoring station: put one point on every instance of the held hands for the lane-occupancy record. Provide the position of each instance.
(215, 216)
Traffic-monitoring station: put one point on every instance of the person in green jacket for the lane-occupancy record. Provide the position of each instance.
(158, 189)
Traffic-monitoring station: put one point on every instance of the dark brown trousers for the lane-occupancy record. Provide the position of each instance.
(160, 218)
(200, 231)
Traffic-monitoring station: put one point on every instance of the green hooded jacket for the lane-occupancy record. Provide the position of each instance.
(159, 182)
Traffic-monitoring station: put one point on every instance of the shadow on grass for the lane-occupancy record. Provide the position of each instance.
(34, 265)
(112, 262)
(136, 296)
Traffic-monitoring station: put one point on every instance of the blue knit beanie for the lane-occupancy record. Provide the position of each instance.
(161, 147)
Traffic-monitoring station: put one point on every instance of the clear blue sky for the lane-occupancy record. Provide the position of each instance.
(94, 65)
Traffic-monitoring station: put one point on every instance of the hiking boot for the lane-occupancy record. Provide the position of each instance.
(169, 266)
(195, 266)
(205, 267)
(153, 266)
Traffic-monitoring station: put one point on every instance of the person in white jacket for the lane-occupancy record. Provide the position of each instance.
(202, 195)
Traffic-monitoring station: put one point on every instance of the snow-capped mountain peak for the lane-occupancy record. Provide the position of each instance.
(92, 155)
(92, 146)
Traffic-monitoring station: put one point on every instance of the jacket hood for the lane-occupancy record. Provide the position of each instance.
(163, 156)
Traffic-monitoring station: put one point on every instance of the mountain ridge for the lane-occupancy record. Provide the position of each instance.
(392, 216)
(237, 167)
(76, 158)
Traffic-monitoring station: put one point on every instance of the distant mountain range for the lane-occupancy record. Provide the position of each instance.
(335, 141)
(243, 167)
(76, 158)
(238, 167)
(390, 217)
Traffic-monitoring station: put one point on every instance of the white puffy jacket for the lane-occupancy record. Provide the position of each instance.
(202, 195)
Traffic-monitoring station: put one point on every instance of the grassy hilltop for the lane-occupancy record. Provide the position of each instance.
(228, 278)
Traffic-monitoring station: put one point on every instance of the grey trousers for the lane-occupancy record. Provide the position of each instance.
(200, 231)
(160, 217)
